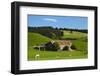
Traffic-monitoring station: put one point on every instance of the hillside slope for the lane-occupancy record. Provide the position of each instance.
(36, 39)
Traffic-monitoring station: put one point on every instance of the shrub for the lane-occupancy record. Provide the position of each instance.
(53, 35)
(66, 48)
(52, 47)
(73, 47)
(36, 48)
(55, 46)
(48, 46)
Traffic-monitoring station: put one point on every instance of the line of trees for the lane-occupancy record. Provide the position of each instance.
(54, 33)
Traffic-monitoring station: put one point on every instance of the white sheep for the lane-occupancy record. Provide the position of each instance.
(37, 56)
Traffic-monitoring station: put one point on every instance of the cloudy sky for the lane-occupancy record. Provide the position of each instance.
(58, 21)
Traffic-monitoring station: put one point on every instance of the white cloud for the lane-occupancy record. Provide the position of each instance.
(50, 19)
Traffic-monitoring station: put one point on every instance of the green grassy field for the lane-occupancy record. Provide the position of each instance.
(37, 39)
(74, 35)
(50, 55)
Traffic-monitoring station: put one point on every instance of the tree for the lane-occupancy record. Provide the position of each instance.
(53, 36)
(73, 47)
(55, 46)
(66, 48)
(52, 46)
(71, 31)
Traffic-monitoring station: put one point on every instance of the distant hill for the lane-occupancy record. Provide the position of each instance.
(36, 39)
(53, 33)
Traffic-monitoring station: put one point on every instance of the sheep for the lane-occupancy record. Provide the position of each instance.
(37, 56)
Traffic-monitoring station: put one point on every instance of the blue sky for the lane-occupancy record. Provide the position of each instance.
(58, 21)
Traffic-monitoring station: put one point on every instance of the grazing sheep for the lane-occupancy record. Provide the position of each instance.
(37, 56)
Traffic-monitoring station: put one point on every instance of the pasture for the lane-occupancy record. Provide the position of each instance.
(79, 39)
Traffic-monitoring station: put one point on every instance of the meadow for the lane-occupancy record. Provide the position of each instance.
(79, 39)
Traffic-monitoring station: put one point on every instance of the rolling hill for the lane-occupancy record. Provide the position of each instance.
(80, 43)
(36, 39)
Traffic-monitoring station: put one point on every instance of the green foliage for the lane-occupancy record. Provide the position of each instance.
(73, 47)
(52, 47)
(66, 48)
(48, 46)
(55, 46)
(53, 36)
(71, 31)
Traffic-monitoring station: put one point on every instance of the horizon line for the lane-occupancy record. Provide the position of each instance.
(60, 27)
